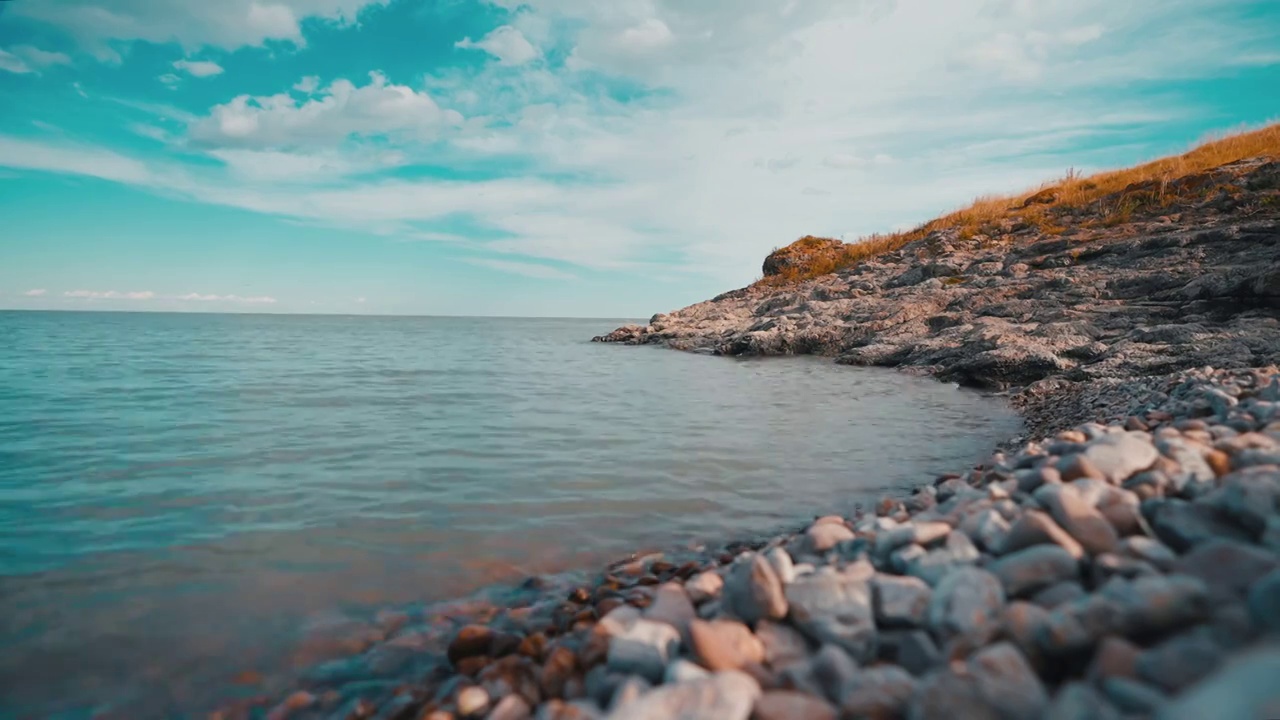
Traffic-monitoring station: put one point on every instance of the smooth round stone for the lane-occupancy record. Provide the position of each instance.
(966, 601)
(472, 701)
(1244, 688)
(643, 649)
(792, 705)
(1227, 567)
(753, 590)
(1033, 569)
(831, 608)
(728, 695)
(881, 691)
(782, 643)
(704, 586)
(724, 644)
(1080, 519)
(1120, 455)
(1264, 602)
(1037, 528)
(672, 606)
(900, 602)
(1079, 701)
(826, 536)
(1181, 661)
(511, 707)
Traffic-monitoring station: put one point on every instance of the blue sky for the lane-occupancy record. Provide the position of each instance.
(557, 157)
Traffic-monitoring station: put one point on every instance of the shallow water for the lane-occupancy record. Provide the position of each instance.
(180, 494)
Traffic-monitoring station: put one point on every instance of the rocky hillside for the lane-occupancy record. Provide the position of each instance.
(1148, 280)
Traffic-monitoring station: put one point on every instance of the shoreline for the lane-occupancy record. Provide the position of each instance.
(575, 650)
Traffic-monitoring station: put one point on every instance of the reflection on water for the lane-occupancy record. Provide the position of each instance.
(181, 493)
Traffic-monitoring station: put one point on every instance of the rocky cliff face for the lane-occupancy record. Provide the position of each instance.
(1150, 295)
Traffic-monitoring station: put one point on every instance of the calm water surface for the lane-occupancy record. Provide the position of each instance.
(181, 494)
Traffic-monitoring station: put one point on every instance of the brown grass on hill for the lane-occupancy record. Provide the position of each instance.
(1104, 199)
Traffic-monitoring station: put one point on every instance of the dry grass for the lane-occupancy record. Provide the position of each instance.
(1104, 199)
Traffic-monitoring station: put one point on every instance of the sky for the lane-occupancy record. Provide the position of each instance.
(557, 157)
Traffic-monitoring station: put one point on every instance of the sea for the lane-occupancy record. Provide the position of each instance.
(182, 495)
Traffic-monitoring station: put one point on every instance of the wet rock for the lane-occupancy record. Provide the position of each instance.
(1264, 602)
(728, 695)
(1152, 605)
(1227, 567)
(1037, 528)
(753, 591)
(968, 601)
(1079, 701)
(881, 691)
(781, 643)
(1180, 661)
(1121, 455)
(643, 649)
(791, 705)
(831, 608)
(561, 666)
(1070, 511)
(672, 606)
(471, 641)
(899, 602)
(1033, 569)
(724, 644)
(1243, 689)
(704, 586)
(997, 682)
(1132, 696)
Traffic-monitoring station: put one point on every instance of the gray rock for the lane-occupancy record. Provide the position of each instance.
(834, 671)
(1249, 498)
(1133, 697)
(782, 644)
(831, 608)
(631, 689)
(934, 565)
(1119, 456)
(1180, 661)
(916, 652)
(1074, 515)
(901, 559)
(782, 564)
(899, 602)
(1021, 624)
(1027, 571)
(881, 691)
(1140, 547)
(1189, 456)
(991, 530)
(1243, 689)
(643, 649)
(968, 601)
(1264, 602)
(1079, 701)
(997, 682)
(1182, 525)
(753, 591)
(1058, 594)
(1037, 528)
(1227, 567)
(727, 695)
(511, 707)
(684, 671)
(672, 606)
(1152, 605)
(792, 705)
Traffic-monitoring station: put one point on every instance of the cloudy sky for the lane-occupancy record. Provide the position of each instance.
(557, 157)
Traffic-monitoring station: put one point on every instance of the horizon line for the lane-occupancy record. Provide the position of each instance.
(311, 314)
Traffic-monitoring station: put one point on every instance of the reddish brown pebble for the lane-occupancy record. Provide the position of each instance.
(472, 665)
(533, 646)
(1219, 461)
(470, 641)
(791, 705)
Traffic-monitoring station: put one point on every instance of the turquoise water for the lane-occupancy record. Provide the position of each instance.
(182, 493)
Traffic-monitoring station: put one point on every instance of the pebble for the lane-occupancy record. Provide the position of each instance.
(791, 705)
(782, 644)
(782, 564)
(1227, 567)
(643, 649)
(826, 536)
(1180, 661)
(1115, 657)
(996, 682)
(881, 691)
(899, 602)
(1264, 602)
(472, 702)
(684, 671)
(671, 605)
(1182, 525)
(1035, 568)
(916, 652)
(704, 586)
(1120, 455)
(1078, 518)
(831, 608)
(728, 695)
(969, 600)
(1140, 547)
(1244, 689)
(724, 644)
(1134, 697)
(1059, 594)
(1037, 528)
(511, 707)
(753, 591)
(1079, 701)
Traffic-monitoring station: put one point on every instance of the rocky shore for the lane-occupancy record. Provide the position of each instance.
(1121, 561)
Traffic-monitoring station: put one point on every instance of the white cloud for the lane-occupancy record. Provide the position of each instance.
(36, 57)
(169, 79)
(72, 159)
(341, 110)
(506, 43)
(109, 295)
(79, 90)
(35, 293)
(532, 270)
(199, 68)
(227, 24)
(14, 64)
(278, 166)
(307, 85)
(252, 300)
